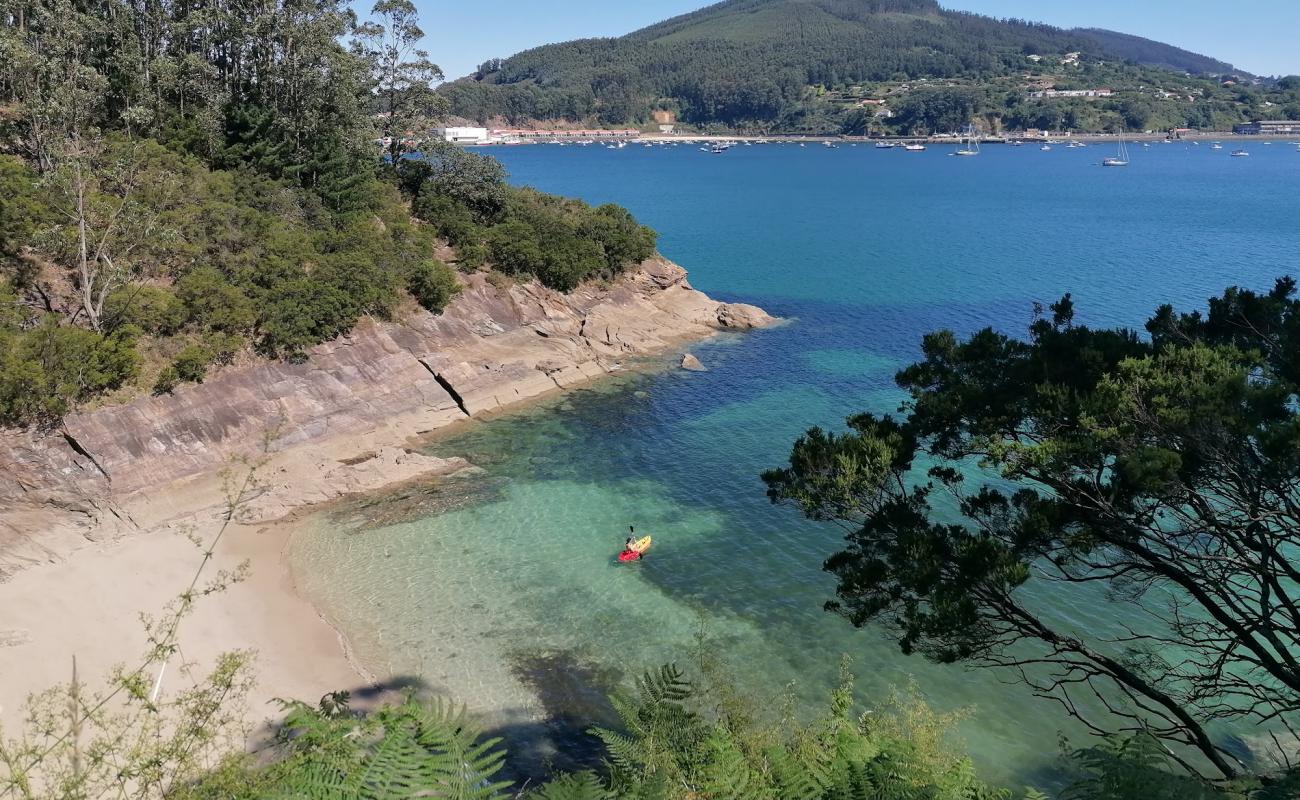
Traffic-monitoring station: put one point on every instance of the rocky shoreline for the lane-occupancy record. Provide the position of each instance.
(337, 424)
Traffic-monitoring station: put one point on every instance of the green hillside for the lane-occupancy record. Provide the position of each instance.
(807, 65)
(1156, 54)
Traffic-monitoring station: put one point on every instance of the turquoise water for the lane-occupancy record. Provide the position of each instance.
(502, 590)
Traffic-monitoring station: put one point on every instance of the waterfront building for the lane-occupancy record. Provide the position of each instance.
(1268, 127)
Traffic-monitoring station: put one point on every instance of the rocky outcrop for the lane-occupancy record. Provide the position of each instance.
(292, 486)
(690, 362)
(495, 346)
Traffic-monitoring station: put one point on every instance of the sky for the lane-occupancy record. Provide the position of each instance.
(1258, 36)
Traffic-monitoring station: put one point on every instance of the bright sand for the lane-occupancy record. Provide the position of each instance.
(89, 606)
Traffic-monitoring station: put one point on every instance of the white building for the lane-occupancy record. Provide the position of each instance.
(1072, 93)
(462, 135)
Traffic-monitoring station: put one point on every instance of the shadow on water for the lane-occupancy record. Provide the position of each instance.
(574, 696)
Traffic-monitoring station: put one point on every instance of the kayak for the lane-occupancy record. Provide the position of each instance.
(635, 551)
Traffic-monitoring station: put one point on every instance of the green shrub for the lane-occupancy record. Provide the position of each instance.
(471, 257)
(152, 309)
(191, 364)
(46, 371)
(302, 313)
(514, 249)
(222, 347)
(22, 207)
(569, 261)
(470, 181)
(167, 381)
(214, 304)
(622, 239)
(432, 284)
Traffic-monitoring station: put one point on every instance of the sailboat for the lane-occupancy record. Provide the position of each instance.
(970, 146)
(1120, 159)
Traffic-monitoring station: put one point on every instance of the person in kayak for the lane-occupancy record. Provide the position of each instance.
(627, 545)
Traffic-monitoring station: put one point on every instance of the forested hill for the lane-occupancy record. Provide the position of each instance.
(1156, 54)
(747, 62)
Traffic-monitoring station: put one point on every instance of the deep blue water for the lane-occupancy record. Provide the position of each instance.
(863, 251)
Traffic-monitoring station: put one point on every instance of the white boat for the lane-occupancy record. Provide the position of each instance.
(970, 143)
(885, 145)
(913, 147)
(1045, 147)
(1239, 154)
(1216, 146)
(1076, 143)
(1120, 159)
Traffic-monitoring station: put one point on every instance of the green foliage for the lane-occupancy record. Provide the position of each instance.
(167, 381)
(226, 189)
(565, 242)
(398, 752)
(432, 284)
(736, 64)
(300, 313)
(47, 369)
(1164, 469)
(468, 180)
(579, 786)
(86, 741)
(215, 305)
(667, 749)
(22, 207)
(1132, 767)
(152, 309)
(191, 363)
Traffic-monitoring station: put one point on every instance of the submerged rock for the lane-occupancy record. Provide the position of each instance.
(689, 361)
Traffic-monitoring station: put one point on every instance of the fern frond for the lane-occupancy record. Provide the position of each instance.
(579, 786)
(725, 774)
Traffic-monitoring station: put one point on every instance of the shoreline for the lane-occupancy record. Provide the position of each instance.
(84, 593)
(818, 138)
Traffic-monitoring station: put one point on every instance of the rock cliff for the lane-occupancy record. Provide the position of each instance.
(324, 424)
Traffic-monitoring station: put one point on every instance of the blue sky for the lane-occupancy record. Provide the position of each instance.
(1256, 35)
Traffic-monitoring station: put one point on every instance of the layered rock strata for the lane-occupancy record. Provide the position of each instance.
(329, 426)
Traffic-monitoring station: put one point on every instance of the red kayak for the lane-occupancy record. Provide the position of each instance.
(629, 555)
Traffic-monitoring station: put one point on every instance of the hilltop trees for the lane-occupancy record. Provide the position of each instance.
(1162, 470)
(402, 73)
(180, 182)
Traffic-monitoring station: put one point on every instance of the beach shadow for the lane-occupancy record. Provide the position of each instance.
(361, 700)
(574, 696)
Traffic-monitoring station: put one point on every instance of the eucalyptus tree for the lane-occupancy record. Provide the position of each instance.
(402, 74)
(1164, 470)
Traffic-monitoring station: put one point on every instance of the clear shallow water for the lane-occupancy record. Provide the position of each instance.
(511, 590)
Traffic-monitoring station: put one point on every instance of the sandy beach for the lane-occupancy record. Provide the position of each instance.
(89, 606)
(93, 539)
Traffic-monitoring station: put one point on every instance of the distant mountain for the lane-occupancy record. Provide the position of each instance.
(1156, 54)
(767, 63)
